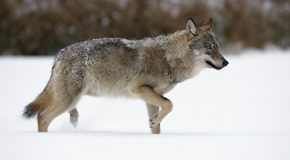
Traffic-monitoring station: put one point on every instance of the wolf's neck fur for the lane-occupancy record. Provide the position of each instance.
(175, 50)
(174, 45)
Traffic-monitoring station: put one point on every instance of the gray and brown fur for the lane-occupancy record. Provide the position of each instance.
(145, 69)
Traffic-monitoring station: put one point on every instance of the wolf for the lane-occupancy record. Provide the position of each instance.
(144, 69)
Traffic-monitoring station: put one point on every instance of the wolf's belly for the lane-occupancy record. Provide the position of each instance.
(113, 87)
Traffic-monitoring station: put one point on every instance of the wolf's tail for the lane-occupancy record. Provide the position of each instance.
(40, 104)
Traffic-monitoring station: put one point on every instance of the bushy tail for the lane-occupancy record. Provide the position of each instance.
(42, 102)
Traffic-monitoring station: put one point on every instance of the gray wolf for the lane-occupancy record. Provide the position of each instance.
(144, 69)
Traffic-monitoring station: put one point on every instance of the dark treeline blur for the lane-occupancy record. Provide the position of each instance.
(42, 27)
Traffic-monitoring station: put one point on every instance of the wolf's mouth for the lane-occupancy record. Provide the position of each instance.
(212, 65)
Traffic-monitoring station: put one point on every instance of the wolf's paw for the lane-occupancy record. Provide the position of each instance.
(74, 116)
(156, 130)
(74, 121)
(153, 123)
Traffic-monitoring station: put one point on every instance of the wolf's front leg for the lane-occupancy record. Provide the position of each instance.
(152, 111)
(148, 94)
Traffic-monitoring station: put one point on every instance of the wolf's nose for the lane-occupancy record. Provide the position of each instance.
(225, 62)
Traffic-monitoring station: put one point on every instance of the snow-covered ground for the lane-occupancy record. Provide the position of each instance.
(239, 113)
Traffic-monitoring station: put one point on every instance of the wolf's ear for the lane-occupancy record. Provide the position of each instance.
(191, 27)
(208, 25)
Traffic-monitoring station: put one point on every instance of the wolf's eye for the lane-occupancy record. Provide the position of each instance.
(209, 47)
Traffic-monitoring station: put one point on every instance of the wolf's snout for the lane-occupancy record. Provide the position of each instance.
(225, 63)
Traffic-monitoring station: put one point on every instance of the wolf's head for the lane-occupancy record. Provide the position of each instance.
(203, 46)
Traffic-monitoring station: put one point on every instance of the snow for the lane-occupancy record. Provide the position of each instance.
(241, 112)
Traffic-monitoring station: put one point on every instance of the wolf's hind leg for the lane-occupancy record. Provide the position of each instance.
(148, 94)
(74, 116)
(58, 107)
(152, 111)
